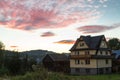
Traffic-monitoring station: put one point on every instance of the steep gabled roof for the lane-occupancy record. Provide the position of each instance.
(92, 42)
(58, 57)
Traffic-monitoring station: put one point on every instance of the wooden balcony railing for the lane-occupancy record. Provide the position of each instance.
(80, 56)
(91, 57)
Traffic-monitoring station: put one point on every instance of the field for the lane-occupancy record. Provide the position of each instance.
(97, 77)
(60, 76)
(43, 74)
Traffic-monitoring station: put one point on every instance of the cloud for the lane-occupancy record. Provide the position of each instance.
(35, 14)
(65, 42)
(13, 46)
(96, 28)
(47, 34)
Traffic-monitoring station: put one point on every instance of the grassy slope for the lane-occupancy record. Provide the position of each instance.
(58, 76)
(43, 74)
(98, 77)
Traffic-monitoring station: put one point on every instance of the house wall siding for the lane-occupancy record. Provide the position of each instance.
(91, 52)
(82, 71)
(80, 47)
(102, 63)
(83, 64)
(103, 44)
(103, 53)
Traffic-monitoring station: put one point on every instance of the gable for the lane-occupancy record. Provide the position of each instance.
(94, 42)
(81, 44)
(47, 58)
(103, 43)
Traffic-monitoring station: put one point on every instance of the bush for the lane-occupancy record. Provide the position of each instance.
(39, 74)
(58, 76)
(3, 71)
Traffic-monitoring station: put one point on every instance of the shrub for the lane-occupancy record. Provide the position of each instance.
(39, 74)
(3, 71)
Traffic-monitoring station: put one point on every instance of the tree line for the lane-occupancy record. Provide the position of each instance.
(11, 63)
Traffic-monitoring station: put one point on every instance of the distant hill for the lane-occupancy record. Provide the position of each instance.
(37, 55)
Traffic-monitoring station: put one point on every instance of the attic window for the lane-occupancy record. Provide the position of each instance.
(103, 44)
(81, 44)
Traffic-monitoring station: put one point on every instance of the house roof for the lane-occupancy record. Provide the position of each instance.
(92, 42)
(58, 57)
(116, 53)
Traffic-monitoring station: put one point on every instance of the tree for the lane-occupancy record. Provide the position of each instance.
(13, 63)
(1, 54)
(1, 46)
(114, 44)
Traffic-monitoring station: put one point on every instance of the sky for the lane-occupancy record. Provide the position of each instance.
(55, 25)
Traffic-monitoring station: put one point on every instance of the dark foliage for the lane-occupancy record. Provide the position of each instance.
(114, 43)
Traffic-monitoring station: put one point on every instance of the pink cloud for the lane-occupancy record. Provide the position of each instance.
(65, 42)
(13, 46)
(95, 28)
(35, 14)
(47, 34)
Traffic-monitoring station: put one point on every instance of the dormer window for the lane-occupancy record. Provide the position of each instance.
(103, 44)
(81, 44)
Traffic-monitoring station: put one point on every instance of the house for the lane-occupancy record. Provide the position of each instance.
(90, 55)
(116, 61)
(116, 53)
(57, 62)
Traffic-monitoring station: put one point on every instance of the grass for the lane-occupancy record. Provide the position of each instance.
(98, 77)
(60, 76)
(42, 74)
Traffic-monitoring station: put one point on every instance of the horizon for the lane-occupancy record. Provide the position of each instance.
(54, 25)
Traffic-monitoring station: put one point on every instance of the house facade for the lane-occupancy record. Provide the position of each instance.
(90, 55)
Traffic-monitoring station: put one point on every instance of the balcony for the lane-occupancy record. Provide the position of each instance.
(80, 56)
(102, 57)
(91, 57)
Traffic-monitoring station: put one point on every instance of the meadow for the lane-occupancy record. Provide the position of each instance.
(43, 74)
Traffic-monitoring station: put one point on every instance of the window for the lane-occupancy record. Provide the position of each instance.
(106, 53)
(87, 53)
(87, 71)
(82, 62)
(103, 44)
(101, 70)
(106, 61)
(87, 61)
(77, 61)
(101, 52)
(107, 69)
(77, 70)
(81, 44)
(77, 53)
